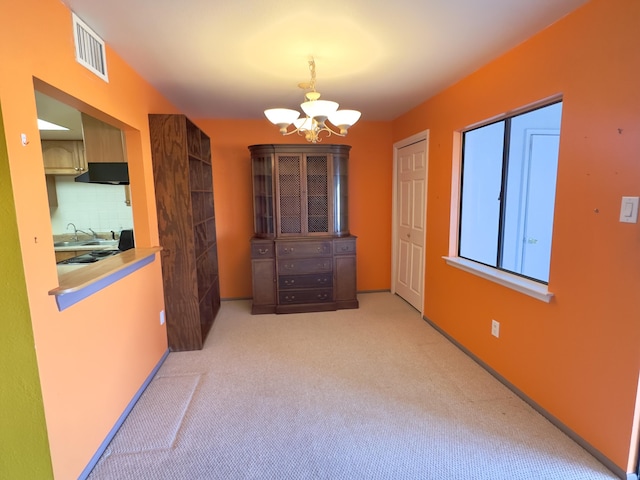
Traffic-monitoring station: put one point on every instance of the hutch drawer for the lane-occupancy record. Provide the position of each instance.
(304, 265)
(288, 282)
(303, 248)
(321, 295)
(262, 249)
(345, 246)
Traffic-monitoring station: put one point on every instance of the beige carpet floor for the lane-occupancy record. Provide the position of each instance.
(372, 393)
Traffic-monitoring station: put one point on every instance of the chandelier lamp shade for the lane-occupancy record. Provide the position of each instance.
(317, 112)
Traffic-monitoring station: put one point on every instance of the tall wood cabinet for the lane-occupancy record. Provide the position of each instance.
(186, 224)
(303, 257)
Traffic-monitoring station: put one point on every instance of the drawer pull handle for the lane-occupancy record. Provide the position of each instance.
(289, 282)
(345, 248)
(290, 298)
(263, 251)
(322, 296)
(322, 280)
(290, 266)
(288, 250)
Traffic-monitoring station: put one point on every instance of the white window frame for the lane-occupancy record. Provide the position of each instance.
(532, 288)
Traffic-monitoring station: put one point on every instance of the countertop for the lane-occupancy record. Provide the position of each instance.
(73, 278)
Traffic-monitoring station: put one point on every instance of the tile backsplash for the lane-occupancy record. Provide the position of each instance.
(88, 205)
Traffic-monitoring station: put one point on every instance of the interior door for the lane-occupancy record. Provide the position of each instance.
(541, 159)
(411, 205)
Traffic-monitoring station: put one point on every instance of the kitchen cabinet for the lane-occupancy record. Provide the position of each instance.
(64, 254)
(183, 180)
(63, 157)
(102, 142)
(303, 257)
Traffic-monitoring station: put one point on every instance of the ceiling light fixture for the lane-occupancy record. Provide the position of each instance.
(317, 113)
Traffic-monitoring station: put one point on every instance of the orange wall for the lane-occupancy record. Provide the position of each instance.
(370, 184)
(92, 357)
(577, 356)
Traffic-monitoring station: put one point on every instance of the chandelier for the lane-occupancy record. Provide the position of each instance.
(317, 112)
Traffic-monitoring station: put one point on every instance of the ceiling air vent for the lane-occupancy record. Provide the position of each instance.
(90, 50)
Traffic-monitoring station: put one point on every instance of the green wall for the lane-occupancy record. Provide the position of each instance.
(24, 447)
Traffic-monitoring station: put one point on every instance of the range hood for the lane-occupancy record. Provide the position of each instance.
(111, 173)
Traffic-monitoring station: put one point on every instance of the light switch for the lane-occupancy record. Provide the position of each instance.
(629, 210)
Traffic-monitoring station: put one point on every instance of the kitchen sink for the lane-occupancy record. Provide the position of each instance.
(66, 244)
(83, 243)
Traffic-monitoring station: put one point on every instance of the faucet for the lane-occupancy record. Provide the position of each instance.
(75, 231)
(93, 234)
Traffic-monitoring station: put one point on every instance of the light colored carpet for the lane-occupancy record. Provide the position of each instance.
(372, 393)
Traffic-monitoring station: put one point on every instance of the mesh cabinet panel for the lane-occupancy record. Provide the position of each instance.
(317, 194)
(290, 194)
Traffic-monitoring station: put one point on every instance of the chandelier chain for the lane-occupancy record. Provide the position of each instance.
(312, 69)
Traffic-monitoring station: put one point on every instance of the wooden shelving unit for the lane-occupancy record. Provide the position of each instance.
(186, 224)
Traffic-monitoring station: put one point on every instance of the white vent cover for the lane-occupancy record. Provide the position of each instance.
(90, 50)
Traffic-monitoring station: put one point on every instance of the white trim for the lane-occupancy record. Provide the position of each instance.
(545, 102)
(514, 282)
(418, 137)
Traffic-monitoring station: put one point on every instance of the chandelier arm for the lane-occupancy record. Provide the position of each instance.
(332, 131)
(286, 133)
(313, 135)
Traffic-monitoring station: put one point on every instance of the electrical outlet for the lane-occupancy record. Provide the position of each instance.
(161, 317)
(495, 328)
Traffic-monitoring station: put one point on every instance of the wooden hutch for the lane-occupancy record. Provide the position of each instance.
(303, 258)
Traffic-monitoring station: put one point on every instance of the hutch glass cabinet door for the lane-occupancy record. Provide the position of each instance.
(340, 195)
(263, 215)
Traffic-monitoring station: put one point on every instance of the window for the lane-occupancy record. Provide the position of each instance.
(508, 192)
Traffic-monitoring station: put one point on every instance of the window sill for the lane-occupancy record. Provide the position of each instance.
(514, 282)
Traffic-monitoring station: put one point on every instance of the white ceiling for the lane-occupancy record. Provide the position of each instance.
(234, 58)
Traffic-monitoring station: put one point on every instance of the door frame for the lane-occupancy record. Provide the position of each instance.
(423, 135)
